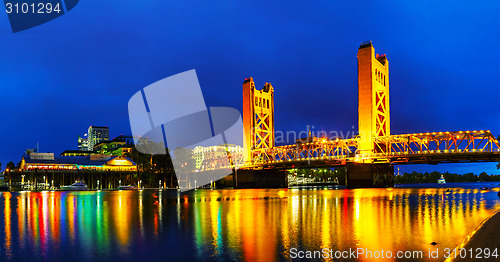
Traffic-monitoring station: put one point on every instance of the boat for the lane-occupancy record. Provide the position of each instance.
(442, 181)
(129, 187)
(77, 186)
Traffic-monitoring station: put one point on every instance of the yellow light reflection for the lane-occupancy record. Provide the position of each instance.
(8, 233)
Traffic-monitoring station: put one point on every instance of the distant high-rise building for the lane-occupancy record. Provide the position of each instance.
(83, 143)
(97, 134)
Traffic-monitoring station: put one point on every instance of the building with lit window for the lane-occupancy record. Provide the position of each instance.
(44, 171)
(75, 153)
(83, 143)
(207, 157)
(118, 146)
(97, 134)
(97, 163)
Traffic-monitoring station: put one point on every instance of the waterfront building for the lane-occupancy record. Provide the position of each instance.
(93, 162)
(44, 170)
(97, 134)
(209, 157)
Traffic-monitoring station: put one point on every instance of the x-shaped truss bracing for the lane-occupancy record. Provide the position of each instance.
(311, 151)
(437, 144)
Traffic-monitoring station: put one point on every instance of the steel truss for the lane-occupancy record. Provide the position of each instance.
(322, 150)
(438, 147)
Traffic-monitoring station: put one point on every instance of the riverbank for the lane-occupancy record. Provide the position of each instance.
(486, 236)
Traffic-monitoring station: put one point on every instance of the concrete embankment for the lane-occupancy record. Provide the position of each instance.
(485, 240)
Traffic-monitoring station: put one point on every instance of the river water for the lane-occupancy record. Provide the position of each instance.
(250, 225)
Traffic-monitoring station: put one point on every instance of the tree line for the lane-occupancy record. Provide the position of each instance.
(417, 177)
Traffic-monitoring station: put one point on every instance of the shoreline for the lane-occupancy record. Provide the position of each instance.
(485, 235)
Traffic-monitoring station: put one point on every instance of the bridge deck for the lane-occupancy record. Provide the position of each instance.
(419, 148)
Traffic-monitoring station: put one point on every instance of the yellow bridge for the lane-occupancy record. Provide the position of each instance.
(370, 156)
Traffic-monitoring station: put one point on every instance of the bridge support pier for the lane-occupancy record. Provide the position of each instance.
(361, 175)
(267, 178)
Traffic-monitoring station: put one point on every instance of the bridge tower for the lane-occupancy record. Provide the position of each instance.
(258, 131)
(373, 97)
(258, 119)
(373, 120)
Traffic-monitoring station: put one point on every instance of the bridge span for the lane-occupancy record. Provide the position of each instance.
(370, 156)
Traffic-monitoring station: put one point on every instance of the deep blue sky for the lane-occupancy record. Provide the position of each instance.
(81, 69)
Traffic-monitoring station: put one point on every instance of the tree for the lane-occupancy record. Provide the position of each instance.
(153, 168)
(483, 177)
(183, 157)
(10, 166)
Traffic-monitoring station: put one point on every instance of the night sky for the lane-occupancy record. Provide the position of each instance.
(59, 78)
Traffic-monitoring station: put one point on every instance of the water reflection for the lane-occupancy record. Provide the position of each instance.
(256, 225)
